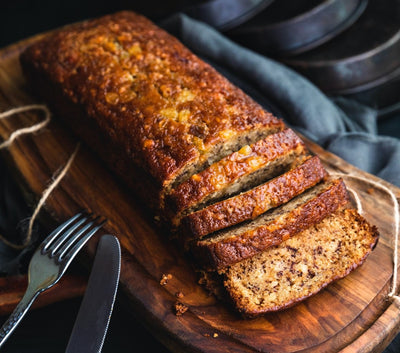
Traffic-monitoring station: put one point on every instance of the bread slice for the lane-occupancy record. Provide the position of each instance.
(302, 265)
(237, 172)
(250, 204)
(167, 111)
(235, 244)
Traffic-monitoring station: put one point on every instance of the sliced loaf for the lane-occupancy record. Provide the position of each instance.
(249, 205)
(170, 124)
(235, 244)
(302, 265)
(237, 172)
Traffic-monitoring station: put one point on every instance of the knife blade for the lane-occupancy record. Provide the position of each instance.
(91, 325)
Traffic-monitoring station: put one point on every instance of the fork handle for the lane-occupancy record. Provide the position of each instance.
(17, 315)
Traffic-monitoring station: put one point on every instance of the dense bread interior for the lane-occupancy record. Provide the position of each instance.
(302, 265)
(237, 243)
(304, 173)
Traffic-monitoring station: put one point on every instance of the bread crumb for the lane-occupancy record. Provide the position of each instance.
(215, 335)
(206, 335)
(157, 218)
(370, 190)
(179, 294)
(180, 308)
(165, 278)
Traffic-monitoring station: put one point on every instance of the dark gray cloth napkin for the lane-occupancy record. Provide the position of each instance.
(342, 126)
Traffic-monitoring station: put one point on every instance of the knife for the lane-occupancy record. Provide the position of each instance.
(94, 314)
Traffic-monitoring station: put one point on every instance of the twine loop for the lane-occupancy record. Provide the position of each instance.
(25, 130)
(57, 177)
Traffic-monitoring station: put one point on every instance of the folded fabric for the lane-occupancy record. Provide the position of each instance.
(340, 125)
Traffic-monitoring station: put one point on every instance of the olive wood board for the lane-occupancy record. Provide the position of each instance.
(350, 315)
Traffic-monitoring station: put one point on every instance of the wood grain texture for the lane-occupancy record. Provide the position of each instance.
(12, 289)
(351, 315)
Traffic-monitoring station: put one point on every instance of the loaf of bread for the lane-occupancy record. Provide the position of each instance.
(239, 188)
(166, 110)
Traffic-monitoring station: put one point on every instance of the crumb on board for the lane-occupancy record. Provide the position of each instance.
(179, 294)
(180, 308)
(215, 335)
(165, 278)
(370, 191)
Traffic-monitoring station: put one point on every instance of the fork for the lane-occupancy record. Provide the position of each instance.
(50, 261)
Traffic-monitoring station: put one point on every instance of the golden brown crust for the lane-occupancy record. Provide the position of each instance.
(274, 148)
(256, 201)
(244, 243)
(163, 106)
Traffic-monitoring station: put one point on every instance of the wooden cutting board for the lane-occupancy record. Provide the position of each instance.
(351, 315)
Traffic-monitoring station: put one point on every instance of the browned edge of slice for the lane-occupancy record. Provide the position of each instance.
(317, 256)
(251, 164)
(256, 201)
(241, 244)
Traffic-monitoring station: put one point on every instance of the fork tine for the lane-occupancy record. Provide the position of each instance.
(73, 245)
(56, 232)
(67, 233)
(68, 257)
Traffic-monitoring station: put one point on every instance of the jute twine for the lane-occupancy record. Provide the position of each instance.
(56, 178)
(25, 130)
(396, 225)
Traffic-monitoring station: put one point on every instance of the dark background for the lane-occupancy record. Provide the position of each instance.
(48, 329)
(22, 18)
